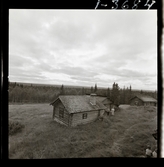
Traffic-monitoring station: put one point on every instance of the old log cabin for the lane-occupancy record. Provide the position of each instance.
(73, 110)
(143, 100)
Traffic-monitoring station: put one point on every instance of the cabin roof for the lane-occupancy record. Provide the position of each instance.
(100, 98)
(107, 101)
(75, 103)
(145, 98)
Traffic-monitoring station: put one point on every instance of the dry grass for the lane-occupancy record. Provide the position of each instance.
(126, 134)
(15, 127)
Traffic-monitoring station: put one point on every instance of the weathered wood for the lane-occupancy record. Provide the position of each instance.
(149, 104)
(65, 120)
(56, 116)
(70, 119)
(57, 106)
(143, 101)
(109, 106)
(77, 118)
(61, 115)
(133, 102)
(53, 113)
(59, 121)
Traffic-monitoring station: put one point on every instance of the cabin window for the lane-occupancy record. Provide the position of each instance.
(84, 116)
(61, 112)
(136, 102)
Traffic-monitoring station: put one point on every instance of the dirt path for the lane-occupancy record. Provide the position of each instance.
(128, 138)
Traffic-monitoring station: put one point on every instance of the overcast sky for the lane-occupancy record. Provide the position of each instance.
(84, 47)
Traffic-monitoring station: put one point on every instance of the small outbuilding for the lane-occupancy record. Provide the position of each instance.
(72, 110)
(106, 101)
(143, 100)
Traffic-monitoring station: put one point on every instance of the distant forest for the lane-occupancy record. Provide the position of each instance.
(33, 93)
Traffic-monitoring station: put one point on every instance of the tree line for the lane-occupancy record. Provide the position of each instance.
(23, 93)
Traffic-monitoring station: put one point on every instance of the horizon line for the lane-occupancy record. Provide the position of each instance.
(103, 87)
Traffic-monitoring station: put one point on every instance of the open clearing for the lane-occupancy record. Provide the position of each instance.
(126, 134)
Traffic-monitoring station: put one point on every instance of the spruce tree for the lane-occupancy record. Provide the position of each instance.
(83, 91)
(95, 90)
(62, 92)
(108, 93)
(130, 91)
(91, 89)
(115, 96)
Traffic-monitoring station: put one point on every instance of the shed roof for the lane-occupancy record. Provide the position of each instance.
(75, 104)
(103, 99)
(107, 101)
(145, 98)
(100, 98)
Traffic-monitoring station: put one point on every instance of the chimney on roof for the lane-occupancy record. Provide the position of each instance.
(93, 98)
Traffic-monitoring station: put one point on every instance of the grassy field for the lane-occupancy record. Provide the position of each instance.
(126, 134)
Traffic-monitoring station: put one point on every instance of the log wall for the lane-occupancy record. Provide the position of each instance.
(66, 117)
(77, 118)
(133, 102)
(74, 118)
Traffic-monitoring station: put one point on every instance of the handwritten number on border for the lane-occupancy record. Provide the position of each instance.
(125, 5)
(149, 5)
(136, 2)
(115, 2)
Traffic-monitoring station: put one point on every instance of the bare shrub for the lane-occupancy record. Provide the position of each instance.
(106, 123)
(14, 127)
(151, 108)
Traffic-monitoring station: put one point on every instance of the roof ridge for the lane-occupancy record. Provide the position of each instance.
(79, 103)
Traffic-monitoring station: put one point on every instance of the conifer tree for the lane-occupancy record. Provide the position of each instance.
(83, 91)
(130, 91)
(62, 92)
(115, 95)
(108, 93)
(95, 90)
(91, 89)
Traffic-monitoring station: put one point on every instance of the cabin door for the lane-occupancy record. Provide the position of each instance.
(53, 113)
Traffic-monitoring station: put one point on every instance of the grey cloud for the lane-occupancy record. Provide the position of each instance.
(82, 78)
(27, 79)
(22, 72)
(129, 73)
(64, 69)
(25, 76)
(110, 61)
(19, 61)
(67, 35)
(74, 71)
(52, 35)
(16, 61)
(89, 80)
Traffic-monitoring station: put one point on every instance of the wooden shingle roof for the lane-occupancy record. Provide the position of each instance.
(104, 100)
(100, 99)
(107, 101)
(75, 104)
(145, 98)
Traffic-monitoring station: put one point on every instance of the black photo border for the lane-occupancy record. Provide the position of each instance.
(91, 4)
